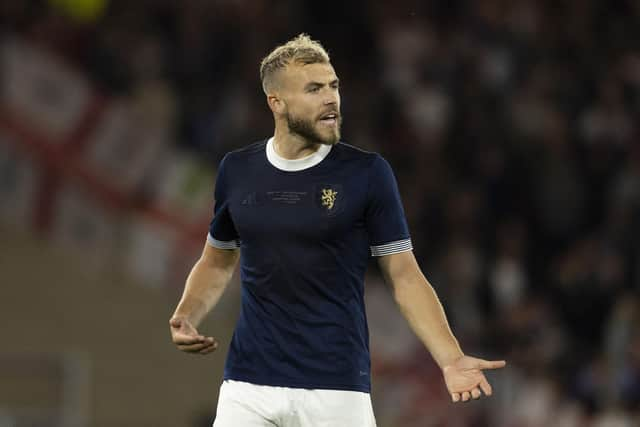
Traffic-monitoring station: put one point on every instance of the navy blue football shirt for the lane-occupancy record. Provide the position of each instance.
(306, 229)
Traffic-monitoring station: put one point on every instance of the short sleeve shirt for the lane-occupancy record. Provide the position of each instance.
(306, 229)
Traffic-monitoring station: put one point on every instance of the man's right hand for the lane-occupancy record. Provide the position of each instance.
(187, 338)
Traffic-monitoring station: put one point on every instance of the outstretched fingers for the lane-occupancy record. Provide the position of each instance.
(491, 364)
(476, 393)
(483, 387)
(486, 387)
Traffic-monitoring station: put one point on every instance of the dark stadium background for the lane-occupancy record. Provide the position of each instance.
(513, 129)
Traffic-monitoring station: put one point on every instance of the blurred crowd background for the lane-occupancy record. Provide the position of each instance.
(512, 127)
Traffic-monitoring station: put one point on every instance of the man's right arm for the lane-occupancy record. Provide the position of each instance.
(204, 286)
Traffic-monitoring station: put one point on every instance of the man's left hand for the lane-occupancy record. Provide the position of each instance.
(464, 377)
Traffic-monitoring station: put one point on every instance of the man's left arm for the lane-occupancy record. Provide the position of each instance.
(421, 307)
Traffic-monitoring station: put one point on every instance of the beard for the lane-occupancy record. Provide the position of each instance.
(307, 129)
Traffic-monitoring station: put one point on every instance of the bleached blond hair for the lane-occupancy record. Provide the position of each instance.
(299, 50)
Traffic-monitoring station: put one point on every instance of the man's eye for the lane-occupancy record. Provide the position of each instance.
(314, 89)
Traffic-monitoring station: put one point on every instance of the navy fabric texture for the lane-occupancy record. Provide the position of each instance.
(305, 238)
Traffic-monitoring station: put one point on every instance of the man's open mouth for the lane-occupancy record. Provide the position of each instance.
(329, 118)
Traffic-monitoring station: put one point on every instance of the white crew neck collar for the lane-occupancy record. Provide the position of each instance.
(294, 165)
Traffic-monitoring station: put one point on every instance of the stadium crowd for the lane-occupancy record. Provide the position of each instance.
(512, 127)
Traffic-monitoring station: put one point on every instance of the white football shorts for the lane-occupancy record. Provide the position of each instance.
(243, 404)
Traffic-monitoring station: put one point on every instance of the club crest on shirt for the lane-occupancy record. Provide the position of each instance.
(328, 198)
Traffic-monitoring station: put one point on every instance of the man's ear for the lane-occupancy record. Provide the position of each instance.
(276, 104)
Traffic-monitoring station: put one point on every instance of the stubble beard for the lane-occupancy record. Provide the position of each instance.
(307, 130)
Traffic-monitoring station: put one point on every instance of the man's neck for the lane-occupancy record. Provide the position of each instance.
(290, 146)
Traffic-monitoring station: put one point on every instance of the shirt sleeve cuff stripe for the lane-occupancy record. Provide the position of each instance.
(392, 248)
(232, 244)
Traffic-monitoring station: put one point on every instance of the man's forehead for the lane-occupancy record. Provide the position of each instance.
(304, 73)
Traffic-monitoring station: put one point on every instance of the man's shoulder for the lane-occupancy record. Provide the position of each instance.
(252, 149)
(351, 152)
(241, 157)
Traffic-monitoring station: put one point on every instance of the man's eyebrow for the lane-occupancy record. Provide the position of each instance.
(333, 82)
(313, 84)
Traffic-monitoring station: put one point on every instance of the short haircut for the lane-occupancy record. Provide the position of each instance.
(299, 50)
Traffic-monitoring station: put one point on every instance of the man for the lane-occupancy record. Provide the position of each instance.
(304, 210)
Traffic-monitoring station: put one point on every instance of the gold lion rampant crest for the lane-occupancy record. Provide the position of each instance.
(328, 198)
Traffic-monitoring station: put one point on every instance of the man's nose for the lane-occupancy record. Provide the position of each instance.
(331, 99)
